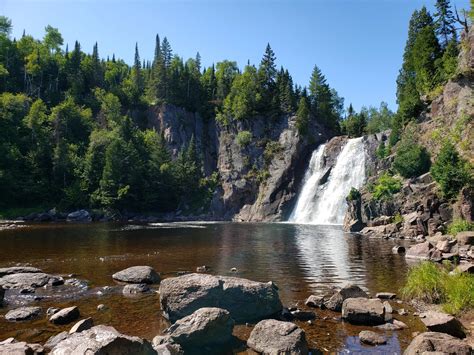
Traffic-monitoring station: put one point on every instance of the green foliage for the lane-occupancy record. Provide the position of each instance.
(355, 124)
(460, 225)
(354, 194)
(385, 187)
(382, 151)
(244, 138)
(450, 171)
(434, 284)
(378, 120)
(398, 218)
(302, 116)
(271, 149)
(411, 159)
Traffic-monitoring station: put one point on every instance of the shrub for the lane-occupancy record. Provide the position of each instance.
(460, 225)
(432, 283)
(450, 171)
(271, 148)
(382, 150)
(386, 186)
(411, 160)
(354, 194)
(398, 218)
(244, 138)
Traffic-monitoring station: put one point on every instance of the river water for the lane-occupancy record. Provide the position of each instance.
(301, 259)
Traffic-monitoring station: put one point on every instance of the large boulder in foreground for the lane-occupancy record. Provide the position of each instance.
(244, 299)
(102, 339)
(137, 275)
(363, 311)
(205, 327)
(443, 323)
(348, 291)
(277, 337)
(437, 342)
(12, 347)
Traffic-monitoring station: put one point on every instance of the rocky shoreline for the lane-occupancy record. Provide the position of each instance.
(203, 309)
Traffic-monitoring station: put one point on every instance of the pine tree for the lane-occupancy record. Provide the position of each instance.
(302, 116)
(157, 56)
(444, 23)
(166, 52)
(267, 81)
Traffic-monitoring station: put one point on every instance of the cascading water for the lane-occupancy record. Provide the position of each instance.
(326, 204)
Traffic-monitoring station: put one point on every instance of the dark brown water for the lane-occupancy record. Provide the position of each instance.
(300, 259)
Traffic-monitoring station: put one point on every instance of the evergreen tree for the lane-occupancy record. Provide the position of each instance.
(267, 81)
(444, 23)
(302, 116)
(157, 56)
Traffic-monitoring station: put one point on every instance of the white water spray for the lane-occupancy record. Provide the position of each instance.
(326, 204)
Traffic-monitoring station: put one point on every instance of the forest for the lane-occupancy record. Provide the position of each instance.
(73, 125)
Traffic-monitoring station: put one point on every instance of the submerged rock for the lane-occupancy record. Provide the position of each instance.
(245, 300)
(386, 295)
(137, 275)
(437, 342)
(23, 313)
(65, 315)
(102, 339)
(363, 311)
(135, 289)
(277, 337)
(393, 324)
(443, 323)
(349, 291)
(205, 327)
(371, 338)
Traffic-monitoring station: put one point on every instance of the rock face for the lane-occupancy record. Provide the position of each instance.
(439, 342)
(137, 275)
(363, 311)
(349, 291)
(245, 300)
(65, 315)
(205, 327)
(371, 338)
(276, 337)
(102, 339)
(443, 323)
(23, 313)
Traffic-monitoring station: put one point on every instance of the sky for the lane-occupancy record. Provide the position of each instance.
(358, 44)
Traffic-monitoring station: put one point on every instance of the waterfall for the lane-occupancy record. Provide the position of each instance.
(326, 203)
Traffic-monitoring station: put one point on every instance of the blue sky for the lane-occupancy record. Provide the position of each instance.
(358, 44)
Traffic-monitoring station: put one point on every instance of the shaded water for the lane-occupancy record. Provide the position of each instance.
(300, 259)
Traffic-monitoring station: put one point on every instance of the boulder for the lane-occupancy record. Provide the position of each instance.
(444, 246)
(18, 270)
(386, 295)
(102, 339)
(388, 307)
(349, 291)
(277, 337)
(137, 275)
(79, 216)
(315, 301)
(29, 280)
(371, 338)
(465, 238)
(134, 289)
(23, 313)
(13, 347)
(245, 300)
(82, 325)
(443, 323)
(420, 251)
(55, 340)
(65, 315)
(363, 311)
(466, 268)
(440, 342)
(205, 327)
(394, 324)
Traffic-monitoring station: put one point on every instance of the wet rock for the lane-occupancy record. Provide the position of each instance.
(51, 310)
(440, 342)
(420, 251)
(245, 300)
(18, 270)
(12, 347)
(82, 325)
(398, 249)
(29, 280)
(363, 311)
(135, 289)
(386, 295)
(443, 323)
(23, 313)
(371, 338)
(465, 238)
(394, 324)
(349, 291)
(102, 339)
(315, 301)
(79, 216)
(205, 327)
(137, 275)
(303, 315)
(65, 315)
(55, 340)
(276, 337)
(203, 268)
